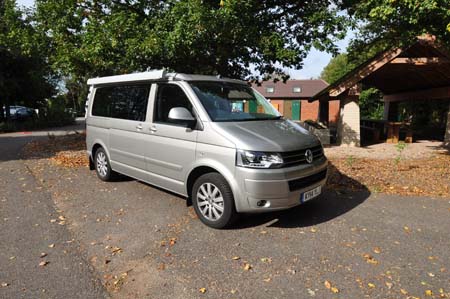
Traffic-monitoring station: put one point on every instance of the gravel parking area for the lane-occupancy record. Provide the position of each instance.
(417, 150)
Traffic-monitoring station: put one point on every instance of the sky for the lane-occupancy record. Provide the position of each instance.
(313, 64)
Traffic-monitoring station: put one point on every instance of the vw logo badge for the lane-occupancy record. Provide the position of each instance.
(309, 156)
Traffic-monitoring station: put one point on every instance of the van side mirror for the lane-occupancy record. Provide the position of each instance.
(181, 113)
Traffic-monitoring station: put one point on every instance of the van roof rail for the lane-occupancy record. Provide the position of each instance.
(136, 77)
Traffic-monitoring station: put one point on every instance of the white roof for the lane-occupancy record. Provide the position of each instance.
(156, 75)
(136, 77)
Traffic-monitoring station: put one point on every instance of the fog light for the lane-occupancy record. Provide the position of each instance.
(261, 203)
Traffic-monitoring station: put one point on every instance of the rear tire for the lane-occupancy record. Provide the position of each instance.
(213, 201)
(103, 166)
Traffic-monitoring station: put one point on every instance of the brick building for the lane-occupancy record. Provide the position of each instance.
(291, 98)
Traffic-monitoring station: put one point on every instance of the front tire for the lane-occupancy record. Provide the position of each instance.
(213, 201)
(102, 165)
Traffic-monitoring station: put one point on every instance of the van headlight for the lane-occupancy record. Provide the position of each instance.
(253, 159)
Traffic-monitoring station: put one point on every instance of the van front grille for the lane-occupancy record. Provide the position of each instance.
(295, 158)
(301, 183)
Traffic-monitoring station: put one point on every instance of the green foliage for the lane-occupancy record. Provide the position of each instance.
(337, 68)
(387, 23)
(371, 104)
(24, 75)
(350, 160)
(105, 37)
(400, 147)
(428, 118)
(370, 100)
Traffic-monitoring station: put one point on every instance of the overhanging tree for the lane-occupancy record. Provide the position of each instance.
(25, 77)
(236, 39)
(388, 23)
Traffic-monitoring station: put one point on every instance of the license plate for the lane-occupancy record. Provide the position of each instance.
(308, 195)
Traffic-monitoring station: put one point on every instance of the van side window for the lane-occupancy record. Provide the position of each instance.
(169, 96)
(124, 102)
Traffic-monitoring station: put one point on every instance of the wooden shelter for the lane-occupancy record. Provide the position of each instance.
(418, 72)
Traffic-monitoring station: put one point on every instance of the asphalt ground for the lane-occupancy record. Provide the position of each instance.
(38, 259)
(137, 241)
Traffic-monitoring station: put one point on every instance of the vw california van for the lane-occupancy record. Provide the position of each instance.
(213, 140)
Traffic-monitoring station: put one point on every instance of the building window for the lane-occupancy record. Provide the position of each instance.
(297, 89)
(270, 89)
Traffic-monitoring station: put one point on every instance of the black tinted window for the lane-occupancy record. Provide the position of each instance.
(125, 102)
(170, 96)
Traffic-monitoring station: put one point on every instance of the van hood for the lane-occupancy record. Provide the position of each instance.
(267, 135)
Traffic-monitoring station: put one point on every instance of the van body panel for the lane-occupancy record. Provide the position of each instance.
(214, 136)
(267, 135)
(127, 142)
(273, 186)
(169, 150)
(221, 159)
(97, 132)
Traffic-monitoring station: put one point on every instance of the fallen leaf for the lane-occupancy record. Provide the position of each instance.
(161, 266)
(52, 220)
(51, 245)
(43, 263)
(429, 293)
(62, 218)
(370, 259)
(313, 230)
(389, 285)
(266, 260)
(202, 290)
(268, 279)
(43, 254)
(370, 285)
(377, 250)
(403, 291)
(247, 266)
(235, 258)
(327, 284)
(335, 290)
(172, 241)
(406, 229)
(431, 274)
(4, 284)
(116, 250)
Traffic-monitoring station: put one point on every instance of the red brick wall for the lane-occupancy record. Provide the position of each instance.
(309, 110)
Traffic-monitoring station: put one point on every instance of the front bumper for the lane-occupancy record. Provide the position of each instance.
(272, 186)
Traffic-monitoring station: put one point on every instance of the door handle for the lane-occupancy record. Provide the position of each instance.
(153, 129)
(139, 127)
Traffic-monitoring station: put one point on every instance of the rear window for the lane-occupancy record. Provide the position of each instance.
(123, 102)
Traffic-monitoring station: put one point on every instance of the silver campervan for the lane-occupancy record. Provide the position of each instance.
(213, 140)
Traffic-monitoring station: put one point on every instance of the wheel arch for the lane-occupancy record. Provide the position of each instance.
(206, 167)
(95, 146)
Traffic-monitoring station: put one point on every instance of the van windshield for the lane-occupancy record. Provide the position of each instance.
(233, 102)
